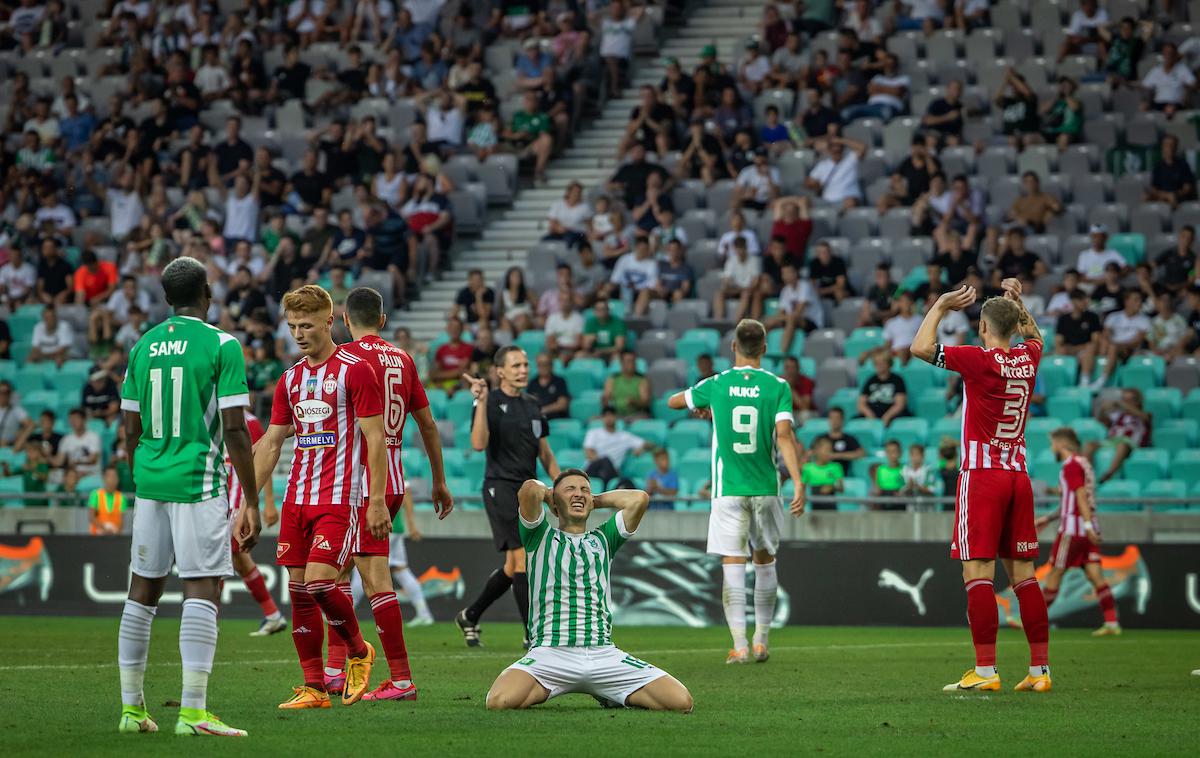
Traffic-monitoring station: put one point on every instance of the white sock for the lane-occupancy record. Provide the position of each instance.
(133, 646)
(766, 587)
(332, 672)
(985, 670)
(1039, 670)
(274, 616)
(733, 597)
(197, 647)
(412, 587)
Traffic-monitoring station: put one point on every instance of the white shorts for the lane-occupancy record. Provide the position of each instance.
(397, 553)
(603, 671)
(740, 524)
(195, 536)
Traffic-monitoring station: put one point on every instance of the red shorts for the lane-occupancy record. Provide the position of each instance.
(315, 534)
(1073, 552)
(364, 543)
(993, 516)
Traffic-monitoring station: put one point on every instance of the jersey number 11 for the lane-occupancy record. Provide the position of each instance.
(156, 401)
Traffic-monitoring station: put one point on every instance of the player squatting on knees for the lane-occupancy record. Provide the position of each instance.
(178, 372)
(993, 513)
(751, 411)
(571, 646)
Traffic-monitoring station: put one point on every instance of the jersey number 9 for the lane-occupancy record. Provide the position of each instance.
(745, 421)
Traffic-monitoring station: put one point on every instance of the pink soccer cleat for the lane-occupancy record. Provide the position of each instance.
(335, 684)
(389, 691)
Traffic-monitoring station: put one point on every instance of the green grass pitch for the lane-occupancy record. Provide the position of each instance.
(837, 691)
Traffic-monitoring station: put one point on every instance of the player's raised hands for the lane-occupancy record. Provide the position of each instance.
(443, 501)
(1012, 288)
(958, 299)
(477, 386)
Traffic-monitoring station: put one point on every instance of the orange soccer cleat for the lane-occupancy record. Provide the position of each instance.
(306, 697)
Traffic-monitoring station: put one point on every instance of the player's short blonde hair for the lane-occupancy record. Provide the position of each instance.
(750, 338)
(1002, 315)
(1066, 434)
(308, 299)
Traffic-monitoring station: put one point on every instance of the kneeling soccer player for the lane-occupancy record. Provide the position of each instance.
(571, 646)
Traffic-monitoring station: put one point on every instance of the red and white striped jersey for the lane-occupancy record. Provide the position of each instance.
(1076, 472)
(997, 385)
(403, 393)
(235, 485)
(323, 403)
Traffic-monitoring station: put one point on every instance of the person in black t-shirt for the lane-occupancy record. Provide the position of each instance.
(193, 160)
(1015, 260)
(232, 153)
(1171, 180)
(311, 187)
(550, 390)
(100, 397)
(630, 179)
(1018, 106)
(884, 396)
(54, 275)
(1176, 267)
(340, 163)
(271, 181)
(817, 117)
(475, 302)
(828, 273)
(47, 437)
(956, 256)
(846, 448)
(352, 81)
(290, 80)
(911, 177)
(509, 425)
(1078, 333)
(703, 156)
(944, 117)
(651, 125)
(250, 83)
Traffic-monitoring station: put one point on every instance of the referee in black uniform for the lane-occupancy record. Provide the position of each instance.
(508, 423)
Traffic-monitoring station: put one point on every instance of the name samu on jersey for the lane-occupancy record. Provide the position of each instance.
(402, 393)
(323, 404)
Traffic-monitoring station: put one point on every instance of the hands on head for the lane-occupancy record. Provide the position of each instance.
(958, 299)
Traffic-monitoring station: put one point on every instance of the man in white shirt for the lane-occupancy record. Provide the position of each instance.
(1083, 31)
(616, 43)
(564, 327)
(1170, 81)
(752, 70)
(609, 443)
(125, 209)
(80, 449)
(799, 308)
(18, 277)
(635, 276)
(887, 94)
(900, 329)
(211, 78)
(738, 230)
(52, 339)
(1125, 332)
(54, 212)
(444, 120)
(307, 19)
(241, 208)
(43, 122)
(424, 11)
(757, 184)
(1095, 259)
(835, 176)
(739, 279)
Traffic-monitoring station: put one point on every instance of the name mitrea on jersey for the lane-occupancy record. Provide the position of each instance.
(1016, 366)
(171, 347)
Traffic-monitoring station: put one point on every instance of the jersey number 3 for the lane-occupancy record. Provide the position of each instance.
(1015, 409)
(745, 421)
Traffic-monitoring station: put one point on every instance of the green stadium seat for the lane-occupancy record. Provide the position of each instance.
(1185, 466)
(950, 426)
(532, 341)
(719, 364)
(697, 471)
(1166, 488)
(460, 487)
(460, 407)
(697, 342)
(437, 402)
(1131, 246)
(861, 467)
(1037, 430)
(867, 370)
(688, 433)
(22, 323)
(868, 431)
(1102, 459)
(1126, 493)
(474, 465)
(1089, 430)
(862, 340)
(570, 429)
(636, 467)
(1174, 433)
(920, 377)
(581, 379)
(29, 310)
(415, 463)
(453, 460)
(570, 458)
(1138, 375)
(930, 403)
(39, 400)
(1070, 403)
(1191, 406)
(854, 487)
(652, 430)
(8, 369)
(907, 431)
(586, 405)
(1058, 372)
(20, 351)
(811, 429)
(846, 398)
(775, 342)
(34, 377)
(12, 485)
(1163, 402)
(462, 436)
(1043, 466)
(1146, 465)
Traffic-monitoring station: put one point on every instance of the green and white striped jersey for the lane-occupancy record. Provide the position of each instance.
(746, 404)
(570, 600)
(181, 375)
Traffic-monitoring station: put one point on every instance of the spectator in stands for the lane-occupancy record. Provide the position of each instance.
(80, 448)
(1171, 180)
(802, 389)
(1169, 331)
(1129, 426)
(920, 478)
(774, 135)
(589, 275)
(732, 115)
(787, 61)
(451, 358)
(818, 121)
(1018, 106)
(564, 327)
(516, 302)
(43, 437)
(549, 389)
(772, 271)
(616, 43)
(1014, 259)
(846, 448)
(835, 177)
(945, 117)
(308, 19)
(475, 301)
(1124, 50)
(483, 355)
(568, 218)
(603, 333)
(628, 391)
(900, 329)
(531, 66)
(739, 280)
(884, 396)
(35, 472)
(15, 424)
(1062, 118)
(887, 478)
(828, 273)
(123, 198)
(791, 222)
(100, 398)
(606, 447)
(52, 339)
(752, 70)
(634, 277)
(289, 81)
(106, 505)
(1125, 333)
(1093, 261)
(823, 475)
(528, 135)
(652, 211)
(954, 328)
(757, 185)
(1176, 266)
(18, 279)
(651, 124)
(703, 155)
(799, 307)
(919, 15)
(632, 178)
(879, 303)
(1083, 35)
(662, 481)
(430, 227)
(704, 367)
(1170, 83)
(887, 94)
(910, 179)
(1109, 295)
(1035, 208)
(549, 300)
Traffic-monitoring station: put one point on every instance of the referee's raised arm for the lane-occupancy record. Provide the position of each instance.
(479, 425)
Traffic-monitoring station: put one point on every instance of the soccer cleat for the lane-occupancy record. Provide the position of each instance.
(335, 684)
(306, 697)
(389, 691)
(973, 681)
(421, 621)
(607, 703)
(270, 626)
(1108, 630)
(738, 655)
(1032, 683)
(195, 722)
(358, 676)
(469, 631)
(761, 653)
(1195, 672)
(135, 719)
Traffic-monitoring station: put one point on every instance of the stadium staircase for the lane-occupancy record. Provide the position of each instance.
(507, 238)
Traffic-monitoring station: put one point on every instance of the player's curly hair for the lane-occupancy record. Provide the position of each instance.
(1002, 315)
(308, 299)
(184, 282)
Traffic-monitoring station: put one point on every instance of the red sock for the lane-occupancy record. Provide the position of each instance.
(1107, 604)
(391, 633)
(307, 634)
(337, 648)
(984, 619)
(1049, 594)
(1035, 620)
(340, 612)
(258, 590)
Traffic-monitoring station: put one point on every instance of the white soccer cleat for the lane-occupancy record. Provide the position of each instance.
(421, 621)
(270, 626)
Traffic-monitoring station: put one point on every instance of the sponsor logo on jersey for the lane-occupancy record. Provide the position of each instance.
(310, 385)
(366, 346)
(525, 662)
(312, 411)
(280, 549)
(320, 543)
(302, 630)
(330, 386)
(316, 440)
(1026, 547)
(504, 407)
(537, 427)
(743, 391)
(170, 347)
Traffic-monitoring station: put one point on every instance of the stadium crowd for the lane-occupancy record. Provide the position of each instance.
(855, 161)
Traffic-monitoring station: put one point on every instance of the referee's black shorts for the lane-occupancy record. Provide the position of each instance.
(500, 502)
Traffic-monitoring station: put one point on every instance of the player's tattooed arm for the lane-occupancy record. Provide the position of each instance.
(1026, 325)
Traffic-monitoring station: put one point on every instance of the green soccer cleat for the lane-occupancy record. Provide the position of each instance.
(135, 720)
(197, 723)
